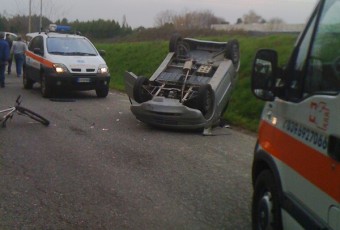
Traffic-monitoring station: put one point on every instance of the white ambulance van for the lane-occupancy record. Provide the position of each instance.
(296, 166)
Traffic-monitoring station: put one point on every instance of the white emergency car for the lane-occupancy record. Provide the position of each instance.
(12, 36)
(59, 60)
(296, 167)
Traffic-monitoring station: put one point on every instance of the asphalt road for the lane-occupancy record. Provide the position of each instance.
(97, 167)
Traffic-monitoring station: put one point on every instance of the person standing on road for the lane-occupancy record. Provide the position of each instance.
(10, 43)
(18, 49)
(4, 56)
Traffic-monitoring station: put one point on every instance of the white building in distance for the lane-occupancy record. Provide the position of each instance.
(261, 27)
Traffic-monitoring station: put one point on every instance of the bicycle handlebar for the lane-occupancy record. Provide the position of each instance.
(18, 101)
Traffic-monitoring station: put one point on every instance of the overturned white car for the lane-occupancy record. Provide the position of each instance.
(192, 87)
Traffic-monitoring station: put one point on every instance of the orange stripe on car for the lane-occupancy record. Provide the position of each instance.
(40, 59)
(319, 169)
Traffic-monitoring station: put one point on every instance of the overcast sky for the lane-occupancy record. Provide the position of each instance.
(143, 12)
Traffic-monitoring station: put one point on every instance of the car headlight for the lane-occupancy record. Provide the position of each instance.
(103, 69)
(60, 68)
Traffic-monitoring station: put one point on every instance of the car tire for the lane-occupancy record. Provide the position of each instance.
(28, 83)
(174, 40)
(46, 89)
(205, 100)
(266, 211)
(140, 93)
(232, 52)
(102, 92)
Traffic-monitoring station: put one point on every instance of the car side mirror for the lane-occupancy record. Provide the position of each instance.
(102, 53)
(264, 74)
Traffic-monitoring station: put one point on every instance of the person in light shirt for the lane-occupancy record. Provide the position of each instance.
(18, 49)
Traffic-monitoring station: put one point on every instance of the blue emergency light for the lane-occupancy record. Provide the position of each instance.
(59, 28)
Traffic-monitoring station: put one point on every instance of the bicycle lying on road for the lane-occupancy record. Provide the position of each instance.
(18, 109)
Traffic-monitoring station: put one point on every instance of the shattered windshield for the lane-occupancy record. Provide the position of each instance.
(70, 46)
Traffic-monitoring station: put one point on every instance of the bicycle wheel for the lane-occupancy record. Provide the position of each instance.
(33, 115)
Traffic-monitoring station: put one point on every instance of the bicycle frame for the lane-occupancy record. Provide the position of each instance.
(21, 111)
(9, 114)
(11, 109)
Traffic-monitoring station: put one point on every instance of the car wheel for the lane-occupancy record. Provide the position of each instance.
(103, 91)
(205, 100)
(28, 83)
(46, 90)
(232, 52)
(174, 40)
(266, 211)
(140, 92)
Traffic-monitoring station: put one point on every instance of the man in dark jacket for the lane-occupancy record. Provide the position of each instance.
(4, 57)
(10, 43)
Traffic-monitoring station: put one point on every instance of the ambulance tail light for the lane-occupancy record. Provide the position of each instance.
(60, 68)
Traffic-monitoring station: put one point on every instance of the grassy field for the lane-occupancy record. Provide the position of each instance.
(143, 58)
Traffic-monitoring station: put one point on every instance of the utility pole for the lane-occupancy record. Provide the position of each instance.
(40, 23)
(29, 16)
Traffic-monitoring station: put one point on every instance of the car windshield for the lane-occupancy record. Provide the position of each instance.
(70, 46)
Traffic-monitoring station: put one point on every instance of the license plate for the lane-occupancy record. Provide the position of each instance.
(83, 80)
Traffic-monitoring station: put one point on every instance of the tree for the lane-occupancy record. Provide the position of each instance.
(252, 17)
(101, 28)
(276, 21)
(3, 23)
(164, 17)
(188, 20)
(64, 21)
(19, 23)
(124, 22)
(239, 21)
